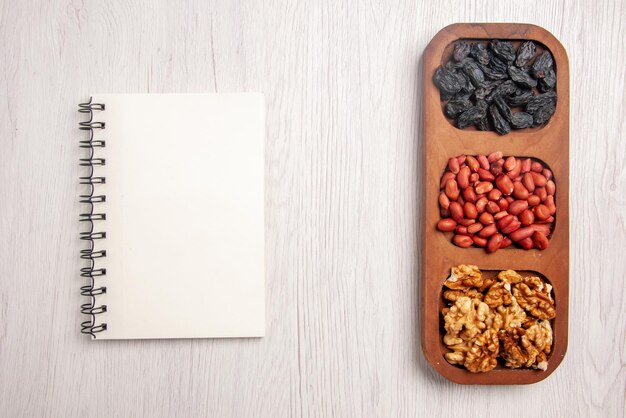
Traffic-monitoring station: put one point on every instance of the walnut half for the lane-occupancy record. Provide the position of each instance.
(483, 352)
(517, 351)
(540, 335)
(464, 277)
(498, 294)
(464, 320)
(534, 296)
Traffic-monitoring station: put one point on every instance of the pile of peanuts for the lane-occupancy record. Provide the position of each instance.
(493, 202)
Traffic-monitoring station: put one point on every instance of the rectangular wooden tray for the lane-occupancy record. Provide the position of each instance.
(442, 140)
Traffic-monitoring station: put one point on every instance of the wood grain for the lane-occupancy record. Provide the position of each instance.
(343, 87)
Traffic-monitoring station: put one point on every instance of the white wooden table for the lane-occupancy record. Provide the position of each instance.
(342, 80)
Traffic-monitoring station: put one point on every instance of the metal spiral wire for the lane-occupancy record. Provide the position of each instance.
(92, 272)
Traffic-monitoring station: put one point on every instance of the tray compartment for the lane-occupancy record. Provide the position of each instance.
(540, 47)
(488, 274)
(551, 225)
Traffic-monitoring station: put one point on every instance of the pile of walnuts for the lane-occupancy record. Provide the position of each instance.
(506, 317)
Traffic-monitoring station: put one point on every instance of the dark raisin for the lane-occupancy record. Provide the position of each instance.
(472, 115)
(493, 74)
(503, 50)
(462, 95)
(525, 53)
(519, 99)
(548, 82)
(449, 82)
(461, 50)
(503, 108)
(542, 64)
(486, 88)
(455, 107)
(474, 73)
(452, 66)
(505, 89)
(458, 65)
(480, 53)
(500, 125)
(543, 114)
(497, 65)
(521, 77)
(508, 88)
(468, 87)
(521, 120)
(539, 101)
(484, 124)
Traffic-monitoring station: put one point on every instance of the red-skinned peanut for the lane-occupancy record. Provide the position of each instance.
(540, 240)
(494, 243)
(462, 241)
(446, 225)
(456, 211)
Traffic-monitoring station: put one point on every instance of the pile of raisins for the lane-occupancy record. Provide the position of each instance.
(498, 88)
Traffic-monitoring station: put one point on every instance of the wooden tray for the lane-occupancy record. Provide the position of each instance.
(442, 140)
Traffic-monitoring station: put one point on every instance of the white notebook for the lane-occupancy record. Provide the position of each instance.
(176, 249)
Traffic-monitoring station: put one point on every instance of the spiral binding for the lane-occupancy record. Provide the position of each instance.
(91, 272)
